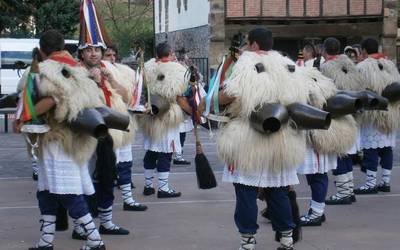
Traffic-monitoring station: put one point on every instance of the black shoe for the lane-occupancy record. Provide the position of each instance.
(34, 176)
(285, 248)
(384, 187)
(41, 248)
(76, 236)
(169, 194)
(370, 190)
(265, 214)
(116, 231)
(338, 201)
(148, 191)
(132, 186)
(353, 198)
(135, 207)
(305, 221)
(323, 218)
(181, 162)
(102, 247)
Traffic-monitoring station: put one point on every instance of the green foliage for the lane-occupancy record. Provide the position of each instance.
(62, 15)
(23, 18)
(127, 23)
(14, 17)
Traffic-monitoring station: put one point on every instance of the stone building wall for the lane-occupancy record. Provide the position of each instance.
(194, 41)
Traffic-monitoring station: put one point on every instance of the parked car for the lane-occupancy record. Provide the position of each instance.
(16, 56)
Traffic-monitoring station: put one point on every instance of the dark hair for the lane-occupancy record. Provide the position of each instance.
(310, 48)
(51, 41)
(80, 51)
(263, 37)
(113, 48)
(370, 44)
(163, 50)
(332, 46)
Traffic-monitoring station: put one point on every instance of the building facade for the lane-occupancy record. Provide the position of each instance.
(295, 22)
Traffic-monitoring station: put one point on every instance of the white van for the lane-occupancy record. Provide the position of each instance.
(15, 56)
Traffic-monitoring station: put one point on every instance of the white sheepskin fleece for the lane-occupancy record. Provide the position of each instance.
(377, 80)
(125, 76)
(157, 126)
(275, 84)
(174, 83)
(343, 72)
(72, 94)
(248, 150)
(341, 134)
(241, 145)
(167, 80)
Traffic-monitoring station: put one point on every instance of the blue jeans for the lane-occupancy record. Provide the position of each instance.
(246, 208)
(159, 160)
(75, 204)
(372, 155)
(344, 165)
(319, 186)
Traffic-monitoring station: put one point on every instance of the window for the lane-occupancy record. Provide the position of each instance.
(9, 58)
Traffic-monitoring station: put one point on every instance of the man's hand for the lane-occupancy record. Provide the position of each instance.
(17, 126)
(95, 74)
(108, 75)
(202, 105)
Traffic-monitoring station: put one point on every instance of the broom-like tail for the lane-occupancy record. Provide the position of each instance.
(205, 175)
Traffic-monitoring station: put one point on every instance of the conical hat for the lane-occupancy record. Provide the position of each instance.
(91, 28)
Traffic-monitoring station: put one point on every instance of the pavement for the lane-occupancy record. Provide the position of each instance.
(200, 219)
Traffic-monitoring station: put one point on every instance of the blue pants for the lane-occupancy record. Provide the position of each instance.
(75, 204)
(124, 173)
(319, 186)
(159, 160)
(344, 165)
(246, 208)
(182, 138)
(372, 155)
(104, 195)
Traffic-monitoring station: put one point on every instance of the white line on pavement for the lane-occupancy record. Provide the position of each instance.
(208, 201)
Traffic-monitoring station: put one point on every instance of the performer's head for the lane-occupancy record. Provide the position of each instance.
(163, 50)
(91, 55)
(309, 52)
(331, 47)
(353, 53)
(111, 54)
(369, 46)
(260, 39)
(51, 41)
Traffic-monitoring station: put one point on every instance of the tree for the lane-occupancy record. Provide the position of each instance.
(127, 22)
(62, 15)
(29, 18)
(14, 17)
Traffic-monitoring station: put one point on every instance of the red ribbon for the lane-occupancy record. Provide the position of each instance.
(107, 93)
(331, 58)
(63, 57)
(377, 56)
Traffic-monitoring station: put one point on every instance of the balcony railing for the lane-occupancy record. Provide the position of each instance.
(302, 9)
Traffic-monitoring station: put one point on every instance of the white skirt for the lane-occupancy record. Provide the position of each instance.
(186, 126)
(357, 145)
(315, 163)
(124, 153)
(60, 174)
(373, 138)
(263, 179)
(169, 143)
